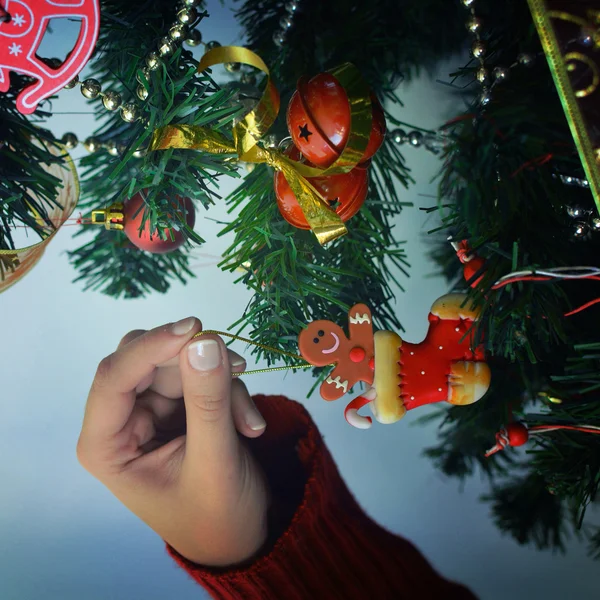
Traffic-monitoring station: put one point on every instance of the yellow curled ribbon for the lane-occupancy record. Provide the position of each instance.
(15, 264)
(323, 221)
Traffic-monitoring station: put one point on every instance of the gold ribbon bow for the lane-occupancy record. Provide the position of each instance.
(323, 221)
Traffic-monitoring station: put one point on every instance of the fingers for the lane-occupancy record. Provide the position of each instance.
(247, 418)
(113, 394)
(206, 377)
(237, 362)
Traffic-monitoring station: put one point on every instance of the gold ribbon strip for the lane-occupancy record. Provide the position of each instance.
(559, 67)
(323, 221)
(15, 264)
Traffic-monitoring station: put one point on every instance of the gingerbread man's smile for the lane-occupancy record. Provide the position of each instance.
(335, 346)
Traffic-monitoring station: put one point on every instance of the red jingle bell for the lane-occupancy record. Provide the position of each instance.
(133, 213)
(318, 119)
(517, 433)
(348, 190)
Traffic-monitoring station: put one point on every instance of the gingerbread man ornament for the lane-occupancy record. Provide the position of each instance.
(323, 343)
(401, 375)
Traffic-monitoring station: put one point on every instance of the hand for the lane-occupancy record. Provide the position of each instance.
(161, 432)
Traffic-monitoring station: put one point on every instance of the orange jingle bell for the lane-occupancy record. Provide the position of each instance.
(318, 119)
(345, 193)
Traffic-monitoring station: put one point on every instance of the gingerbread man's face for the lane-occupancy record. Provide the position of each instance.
(322, 343)
(325, 343)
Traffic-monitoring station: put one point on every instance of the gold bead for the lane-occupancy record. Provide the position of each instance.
(248, 78)
(153, 61)
(72, 83)
(146, 72)
(92, 144)
(91, 88)
(478, 49)
(233, 67)
(481, 75)
(141, 92)
(165, 47)
(178, 32)
(113, 148)
(212, 45)
(112, 100)
(187, 15)
(194, 38)
(70, 140)
(474, 24)
(130, 112)
(500, 73)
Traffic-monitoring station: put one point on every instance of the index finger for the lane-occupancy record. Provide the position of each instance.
(113, 394)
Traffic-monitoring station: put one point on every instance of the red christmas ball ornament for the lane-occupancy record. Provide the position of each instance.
(318, 119)
(345, 193)
(133, 213)
(517, 433)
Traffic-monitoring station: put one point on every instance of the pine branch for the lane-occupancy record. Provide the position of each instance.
(177, 94)
(25, 186)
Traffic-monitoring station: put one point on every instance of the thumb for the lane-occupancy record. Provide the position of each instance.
(206, 379)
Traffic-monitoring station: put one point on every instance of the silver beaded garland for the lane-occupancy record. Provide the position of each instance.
(191, 3)
(165, 47)
(478, 49)
(500, 73)
(248, 78)
(145, 71)
(481, 75)
(575, 212)
(399, 136)
(587, 39)
(291, 6)
(474, 24)
(111, 100)
(70, 140)
(178, 32)
(467, 3)
(91, 88)
(212, 45)
(286, 22)
(153, 61)
(130, 112)
(139, 152)
(194, 38)
(72, 83)
(233, 67)
(187, 16)
(91, 144)
(596, 224)
(580, 229)
(141, 92)
(525, 60)
(112, 148)
(485, 98)
(279, 38)
(415, 138)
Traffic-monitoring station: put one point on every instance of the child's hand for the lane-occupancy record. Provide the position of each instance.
(178, 463)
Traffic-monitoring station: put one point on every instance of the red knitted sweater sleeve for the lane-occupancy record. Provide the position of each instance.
(323, 545)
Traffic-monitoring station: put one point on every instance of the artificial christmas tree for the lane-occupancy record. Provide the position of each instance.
(518, 195)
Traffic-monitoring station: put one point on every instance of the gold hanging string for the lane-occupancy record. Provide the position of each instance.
(302, 365)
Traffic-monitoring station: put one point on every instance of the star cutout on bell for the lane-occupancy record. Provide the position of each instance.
(304, 132)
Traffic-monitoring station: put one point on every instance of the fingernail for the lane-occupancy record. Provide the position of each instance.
(254, 419)
(182, 327)
(204, 355)
(235, 360)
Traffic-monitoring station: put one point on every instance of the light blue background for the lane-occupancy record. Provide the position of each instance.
(63, 536)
